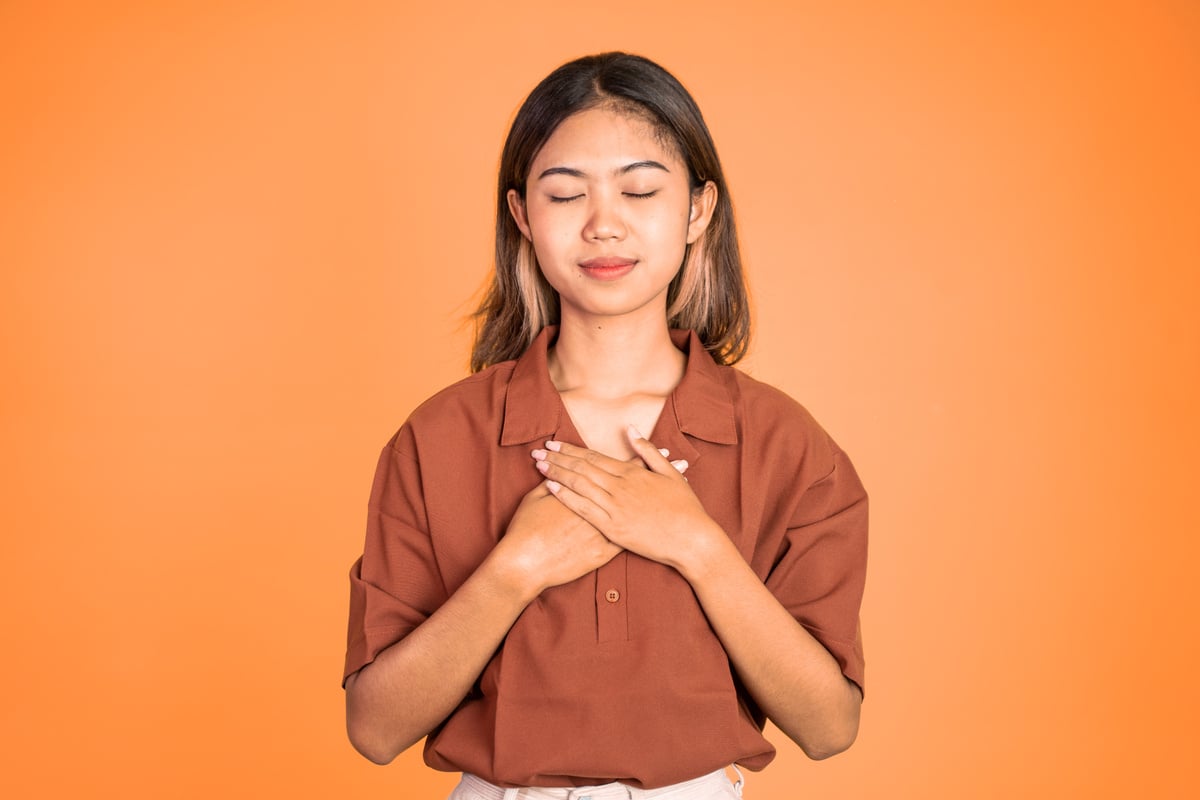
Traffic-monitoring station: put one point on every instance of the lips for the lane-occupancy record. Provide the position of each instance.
(607, 268)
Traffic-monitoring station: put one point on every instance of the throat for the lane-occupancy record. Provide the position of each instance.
(608, 383)
(621, 365)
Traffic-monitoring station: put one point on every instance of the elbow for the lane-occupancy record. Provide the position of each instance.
(836, 736)
(829, 746)
(366, 734)
(370, 745)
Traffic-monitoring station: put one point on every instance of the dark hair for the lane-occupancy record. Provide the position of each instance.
(709, 293)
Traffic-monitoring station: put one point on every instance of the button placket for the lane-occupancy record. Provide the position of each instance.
(612, 613)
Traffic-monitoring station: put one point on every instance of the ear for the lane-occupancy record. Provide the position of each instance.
(516, 207)
(704, 202)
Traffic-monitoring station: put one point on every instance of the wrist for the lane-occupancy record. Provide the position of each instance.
(510, 577)
(709, 550)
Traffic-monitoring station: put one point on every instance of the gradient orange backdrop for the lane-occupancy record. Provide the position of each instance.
(238, 243)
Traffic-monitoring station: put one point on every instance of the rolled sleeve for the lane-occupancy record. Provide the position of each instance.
(821, 572)
(395, 585)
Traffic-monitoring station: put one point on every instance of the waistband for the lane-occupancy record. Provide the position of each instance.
(607, 791)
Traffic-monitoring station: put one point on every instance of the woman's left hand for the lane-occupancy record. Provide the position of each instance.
(644, 506)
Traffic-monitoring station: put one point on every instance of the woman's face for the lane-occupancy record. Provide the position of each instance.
(609, 211)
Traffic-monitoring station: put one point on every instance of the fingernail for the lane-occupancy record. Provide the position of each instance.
(664, 451)
(553, 486)
(680, 465)
(635, 433)
(542, 465)
(538, 454)
(555, 446)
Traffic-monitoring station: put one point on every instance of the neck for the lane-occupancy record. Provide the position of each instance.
(615, 357)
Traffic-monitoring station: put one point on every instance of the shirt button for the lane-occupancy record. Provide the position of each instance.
(612, 595)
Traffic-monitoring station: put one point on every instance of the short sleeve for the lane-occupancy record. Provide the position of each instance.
(821, 572)
(395, 585)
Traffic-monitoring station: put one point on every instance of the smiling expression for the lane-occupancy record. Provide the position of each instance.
(609, 211)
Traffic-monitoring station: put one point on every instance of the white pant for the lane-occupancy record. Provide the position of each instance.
(714, 786)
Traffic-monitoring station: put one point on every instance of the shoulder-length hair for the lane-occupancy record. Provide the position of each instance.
(709, 293)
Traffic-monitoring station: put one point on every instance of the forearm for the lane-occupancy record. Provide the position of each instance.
(416, 683)
(791, 676)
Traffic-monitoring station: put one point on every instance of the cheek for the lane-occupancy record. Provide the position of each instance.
(551, 226)
(670, 231)
(551, 248)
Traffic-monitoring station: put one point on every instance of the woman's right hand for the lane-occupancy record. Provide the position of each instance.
(413, 685)
(547, 544)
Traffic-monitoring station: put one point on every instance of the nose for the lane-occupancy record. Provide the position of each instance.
(605, 220)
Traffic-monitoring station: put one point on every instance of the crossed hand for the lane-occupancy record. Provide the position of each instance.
(644, 505)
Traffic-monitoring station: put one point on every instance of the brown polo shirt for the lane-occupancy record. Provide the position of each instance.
(616, 675)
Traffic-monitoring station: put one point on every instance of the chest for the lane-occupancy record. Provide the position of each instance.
(601, 423)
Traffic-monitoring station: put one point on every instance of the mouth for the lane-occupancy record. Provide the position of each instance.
(607, 268)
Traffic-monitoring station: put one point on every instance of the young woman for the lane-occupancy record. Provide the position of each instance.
(543, 593)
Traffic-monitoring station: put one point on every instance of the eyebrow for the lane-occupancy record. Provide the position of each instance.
(625, 170)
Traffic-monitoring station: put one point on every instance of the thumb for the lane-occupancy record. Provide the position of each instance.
(650, 454)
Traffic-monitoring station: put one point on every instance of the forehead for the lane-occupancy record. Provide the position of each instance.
(604, 137)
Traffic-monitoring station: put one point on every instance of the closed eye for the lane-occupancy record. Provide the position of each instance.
(557, 199)
(642, 195)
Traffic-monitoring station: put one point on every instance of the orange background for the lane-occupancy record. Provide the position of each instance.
(239, 240)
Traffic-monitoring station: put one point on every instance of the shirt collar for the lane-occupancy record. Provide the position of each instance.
(700, 406)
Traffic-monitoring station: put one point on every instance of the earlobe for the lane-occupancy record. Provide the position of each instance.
(704, 203)
(516, 207)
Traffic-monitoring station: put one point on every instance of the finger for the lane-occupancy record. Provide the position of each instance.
(590, 512)
(590, 486)
(637, 462)
(584, 466)
(648, 452)
(609, 465)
